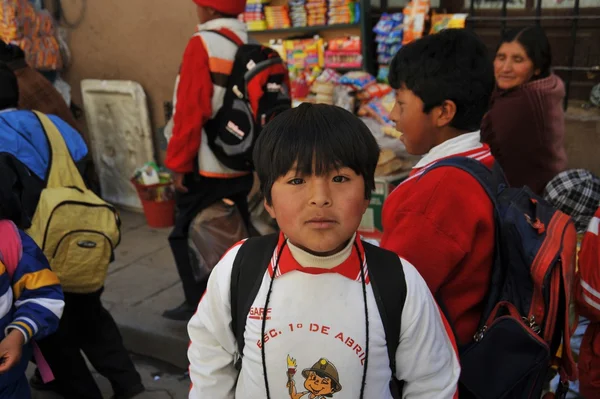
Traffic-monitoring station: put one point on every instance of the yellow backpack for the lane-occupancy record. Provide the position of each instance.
(77, 230)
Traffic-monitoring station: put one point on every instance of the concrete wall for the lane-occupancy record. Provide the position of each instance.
(582, 137)
(140, 40)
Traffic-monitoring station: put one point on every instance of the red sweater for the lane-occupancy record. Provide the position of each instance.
(443, 224)
(194, 108)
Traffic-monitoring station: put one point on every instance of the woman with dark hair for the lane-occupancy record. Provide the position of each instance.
(525, 124)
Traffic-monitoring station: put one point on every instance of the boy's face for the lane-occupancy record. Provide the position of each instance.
(417, 127)
(319, 213)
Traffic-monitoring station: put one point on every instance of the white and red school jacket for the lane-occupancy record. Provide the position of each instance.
(199, 92)
(587, 299)
(318, 315)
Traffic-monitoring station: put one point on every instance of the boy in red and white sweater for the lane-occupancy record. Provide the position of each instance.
(200, 179)
(443, 222)
(315, 309)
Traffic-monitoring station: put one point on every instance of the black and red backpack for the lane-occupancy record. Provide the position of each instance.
(526, 313)
(257, 90)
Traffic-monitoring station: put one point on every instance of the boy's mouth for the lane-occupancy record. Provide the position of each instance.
(321, 223)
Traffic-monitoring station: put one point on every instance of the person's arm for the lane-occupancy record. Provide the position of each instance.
(193, 108)
(212, 343)
(426, 358)
(39, 300)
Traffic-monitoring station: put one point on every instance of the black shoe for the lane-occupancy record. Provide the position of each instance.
(183, 312)
(38, 384)
(130, 393)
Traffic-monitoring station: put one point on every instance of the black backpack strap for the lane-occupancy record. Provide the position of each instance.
(249, 267)
(389, 288)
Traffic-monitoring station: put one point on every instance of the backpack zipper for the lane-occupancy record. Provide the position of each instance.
(552, 312)
(81, 231)
(109, 207)
(529, 323)
(553, 240)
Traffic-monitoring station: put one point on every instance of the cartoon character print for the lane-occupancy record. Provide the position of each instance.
(321, 380)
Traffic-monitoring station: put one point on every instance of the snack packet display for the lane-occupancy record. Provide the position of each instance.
(357, 79)
(415, 14)
(440, 22)
(374, 91)
(390, 33)
(304, 53)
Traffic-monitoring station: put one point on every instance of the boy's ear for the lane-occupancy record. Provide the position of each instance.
(445, 113)
(212, 12)
(270, 209)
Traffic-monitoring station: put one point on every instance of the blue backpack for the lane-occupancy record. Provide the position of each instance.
(526, 312)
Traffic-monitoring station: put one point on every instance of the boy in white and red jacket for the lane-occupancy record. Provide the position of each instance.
(443, 222)
(587, 296)
(200, 179)
(315, 309)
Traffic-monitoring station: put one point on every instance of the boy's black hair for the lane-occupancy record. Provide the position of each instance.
(9, 88)
(316, 138)
(536, 45)
(451, 65)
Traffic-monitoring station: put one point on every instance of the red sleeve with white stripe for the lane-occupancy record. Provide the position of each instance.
(587, 291)
(193, 108)
(427, 356)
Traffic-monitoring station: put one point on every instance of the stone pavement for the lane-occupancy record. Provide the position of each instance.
(162, 381)
(141, 284)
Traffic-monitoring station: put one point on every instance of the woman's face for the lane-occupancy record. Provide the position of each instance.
(512, 66)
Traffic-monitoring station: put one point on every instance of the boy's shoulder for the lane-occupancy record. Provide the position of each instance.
(445, 185)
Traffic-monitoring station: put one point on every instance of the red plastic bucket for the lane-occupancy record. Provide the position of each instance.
(158, 203)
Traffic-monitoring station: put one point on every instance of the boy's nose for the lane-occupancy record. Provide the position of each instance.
(320, 195)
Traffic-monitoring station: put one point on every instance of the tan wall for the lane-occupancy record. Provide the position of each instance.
(582, 135)
(140, 40)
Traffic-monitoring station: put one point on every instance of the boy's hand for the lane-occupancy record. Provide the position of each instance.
(178, 182)
(11, 348)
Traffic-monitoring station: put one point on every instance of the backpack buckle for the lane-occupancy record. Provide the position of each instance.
(536, 224)
(562, 389)
(237, 361)
(479, 334)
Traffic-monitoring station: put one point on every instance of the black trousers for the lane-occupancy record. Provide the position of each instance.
(202, 192)
(86, 325)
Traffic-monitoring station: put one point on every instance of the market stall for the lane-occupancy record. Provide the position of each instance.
(335, 56)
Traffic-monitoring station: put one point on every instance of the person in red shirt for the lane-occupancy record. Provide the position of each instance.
(443, 222)
(200, 179)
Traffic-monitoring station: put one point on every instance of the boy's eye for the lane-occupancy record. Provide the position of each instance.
(296, 181)
(340, 179)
